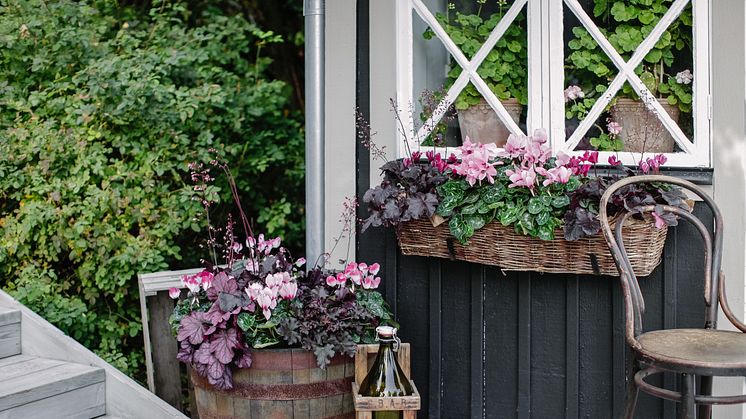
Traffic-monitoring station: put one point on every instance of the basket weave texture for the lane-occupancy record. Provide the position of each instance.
(497, 245)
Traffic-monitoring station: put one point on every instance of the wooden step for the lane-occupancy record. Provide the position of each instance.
(40, 388)
(10, 332)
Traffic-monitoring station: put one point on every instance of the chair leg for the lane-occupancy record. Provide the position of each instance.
(632, 391)
(705, 389)
(687, 409)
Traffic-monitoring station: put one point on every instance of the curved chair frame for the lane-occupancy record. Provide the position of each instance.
(634, 304)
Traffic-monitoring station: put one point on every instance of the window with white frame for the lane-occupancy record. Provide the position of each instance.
(622, 77)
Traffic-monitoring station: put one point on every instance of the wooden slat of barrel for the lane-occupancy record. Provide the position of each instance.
(282, 384)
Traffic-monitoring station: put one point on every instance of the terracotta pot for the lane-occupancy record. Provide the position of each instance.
(281, 383)
(482, 125)
(641, 128)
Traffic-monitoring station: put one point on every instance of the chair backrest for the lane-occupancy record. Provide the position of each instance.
(714, 286)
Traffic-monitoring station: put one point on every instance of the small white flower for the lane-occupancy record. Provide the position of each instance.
(573, 93)
(684, 77)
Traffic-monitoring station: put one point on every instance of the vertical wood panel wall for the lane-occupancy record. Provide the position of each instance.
(488, 344)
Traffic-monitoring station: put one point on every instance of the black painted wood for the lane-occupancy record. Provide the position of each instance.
(528, 345)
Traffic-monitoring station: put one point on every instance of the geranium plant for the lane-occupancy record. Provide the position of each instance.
(626, 24)
(261, 297)
(505, 68)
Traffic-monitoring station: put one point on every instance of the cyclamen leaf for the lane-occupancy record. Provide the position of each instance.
(535, 205)
(245, 321)
(223, 343)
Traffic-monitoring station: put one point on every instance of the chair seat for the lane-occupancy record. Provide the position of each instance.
(699, 348)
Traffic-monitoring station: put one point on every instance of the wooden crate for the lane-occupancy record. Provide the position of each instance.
(364, 406)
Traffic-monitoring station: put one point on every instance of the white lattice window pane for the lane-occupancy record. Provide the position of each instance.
(631, 83)
(465, 61)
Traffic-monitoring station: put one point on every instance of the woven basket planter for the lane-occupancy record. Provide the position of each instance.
(497, 245)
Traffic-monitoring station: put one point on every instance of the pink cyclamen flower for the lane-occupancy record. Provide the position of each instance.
(557, 175)
(237, 247)
(363, 267)
(644, 166)
(371, 282)
(331, 280)
(288, 290)
(300, 262)
(661, 159)
(540, 136)
(352, 266)
(614, 161)
(475, 163)
(659, 221)
(590, 156)
(174, 293)
(273, 280)
(515, 146)
(436, 161)
(355, 276)
(563, 159)
(374, 268)
(206, 283)
(253, 290)
(573, 93)
(522, 177)
(265, 302)
(614, 128)
(191, 283)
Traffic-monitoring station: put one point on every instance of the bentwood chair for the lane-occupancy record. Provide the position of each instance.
(691, 353)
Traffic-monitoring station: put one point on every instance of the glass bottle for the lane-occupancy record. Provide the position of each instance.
(386, 378)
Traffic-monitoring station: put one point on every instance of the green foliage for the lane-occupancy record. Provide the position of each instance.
(536, 214)
(626, 24)
(101, 108)
(606, 142)
(505, 68)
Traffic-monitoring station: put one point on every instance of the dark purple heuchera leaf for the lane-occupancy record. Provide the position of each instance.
(186, 352)
(194, 327)
(580, 223)
(221, 283)
(224, 382)
(231, 302)
(324, 355)
(222, 344)
(669, 218)
(216, 316)
(244, 360)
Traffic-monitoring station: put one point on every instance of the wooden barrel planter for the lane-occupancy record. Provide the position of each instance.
(281, 383)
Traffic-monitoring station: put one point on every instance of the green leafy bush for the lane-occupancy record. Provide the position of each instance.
(101, 109)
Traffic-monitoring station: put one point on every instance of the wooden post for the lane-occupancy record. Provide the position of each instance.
(167, 375)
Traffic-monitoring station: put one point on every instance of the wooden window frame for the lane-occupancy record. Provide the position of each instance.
(546, 105)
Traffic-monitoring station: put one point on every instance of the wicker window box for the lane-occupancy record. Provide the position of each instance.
(501, 246)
